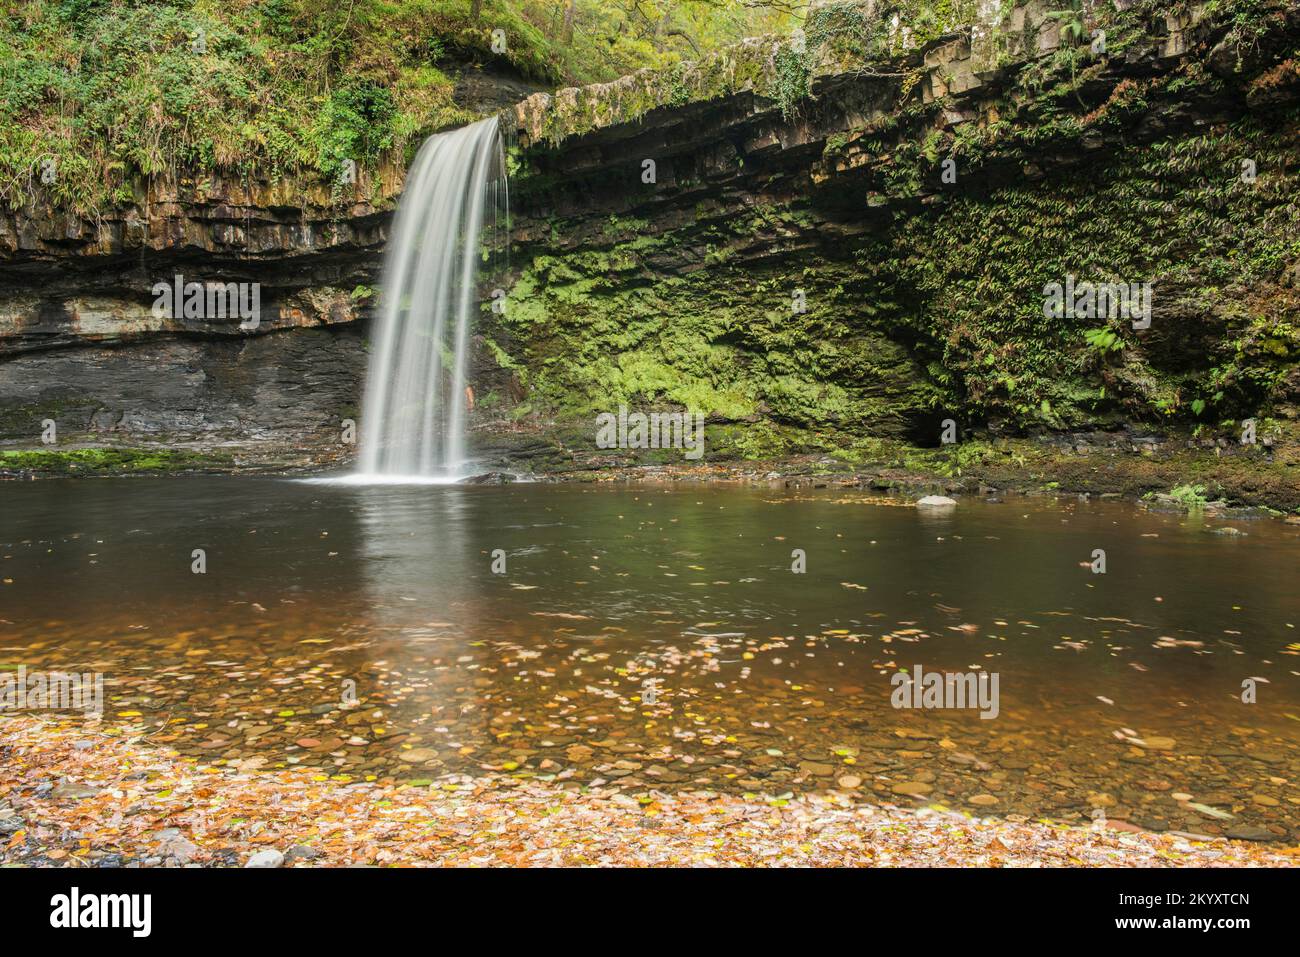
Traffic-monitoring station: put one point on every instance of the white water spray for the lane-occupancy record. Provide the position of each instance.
(413, 416)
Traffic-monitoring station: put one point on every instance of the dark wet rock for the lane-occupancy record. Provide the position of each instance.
(489, 478)
(1268, 757)
(1251, 832)
(1151, 823)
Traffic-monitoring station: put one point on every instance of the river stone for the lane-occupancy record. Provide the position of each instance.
(1268, 757)
(813, 767)
(914, 788)
(418, 755)
(266, 858)
(1152, 823)
(983, 800)
(77, 792)
(1249, 832)
(179, 849)
(936, 501)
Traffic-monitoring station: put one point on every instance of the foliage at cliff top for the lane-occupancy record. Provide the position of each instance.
(835, 37)
(105, 91)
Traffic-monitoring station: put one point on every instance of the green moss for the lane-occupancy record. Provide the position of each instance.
(906, 325)
(1189, 496)
(1174, 214)
(793, 79)
(598, 327)
(107, 460)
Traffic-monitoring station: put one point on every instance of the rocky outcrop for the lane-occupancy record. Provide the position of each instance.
(82, 344)
(820, 242)
(866, 256)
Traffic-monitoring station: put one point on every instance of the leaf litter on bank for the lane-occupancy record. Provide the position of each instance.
(140, 802)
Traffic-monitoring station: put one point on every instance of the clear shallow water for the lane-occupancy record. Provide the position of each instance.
(767, 681)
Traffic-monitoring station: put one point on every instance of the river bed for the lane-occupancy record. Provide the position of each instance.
(655, 638)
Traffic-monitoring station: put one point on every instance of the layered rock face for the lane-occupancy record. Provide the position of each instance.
(820, 243)
(82, 344)
(871, 258)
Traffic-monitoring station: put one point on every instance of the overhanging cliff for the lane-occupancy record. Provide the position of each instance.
(917, 204)
(798, 267)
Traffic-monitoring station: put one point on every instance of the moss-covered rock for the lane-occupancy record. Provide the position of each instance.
(110, 461)
(919, 200)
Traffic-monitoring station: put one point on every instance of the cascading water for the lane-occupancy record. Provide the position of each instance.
(413, 415)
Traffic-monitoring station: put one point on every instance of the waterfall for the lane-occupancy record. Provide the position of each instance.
(413, 414)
